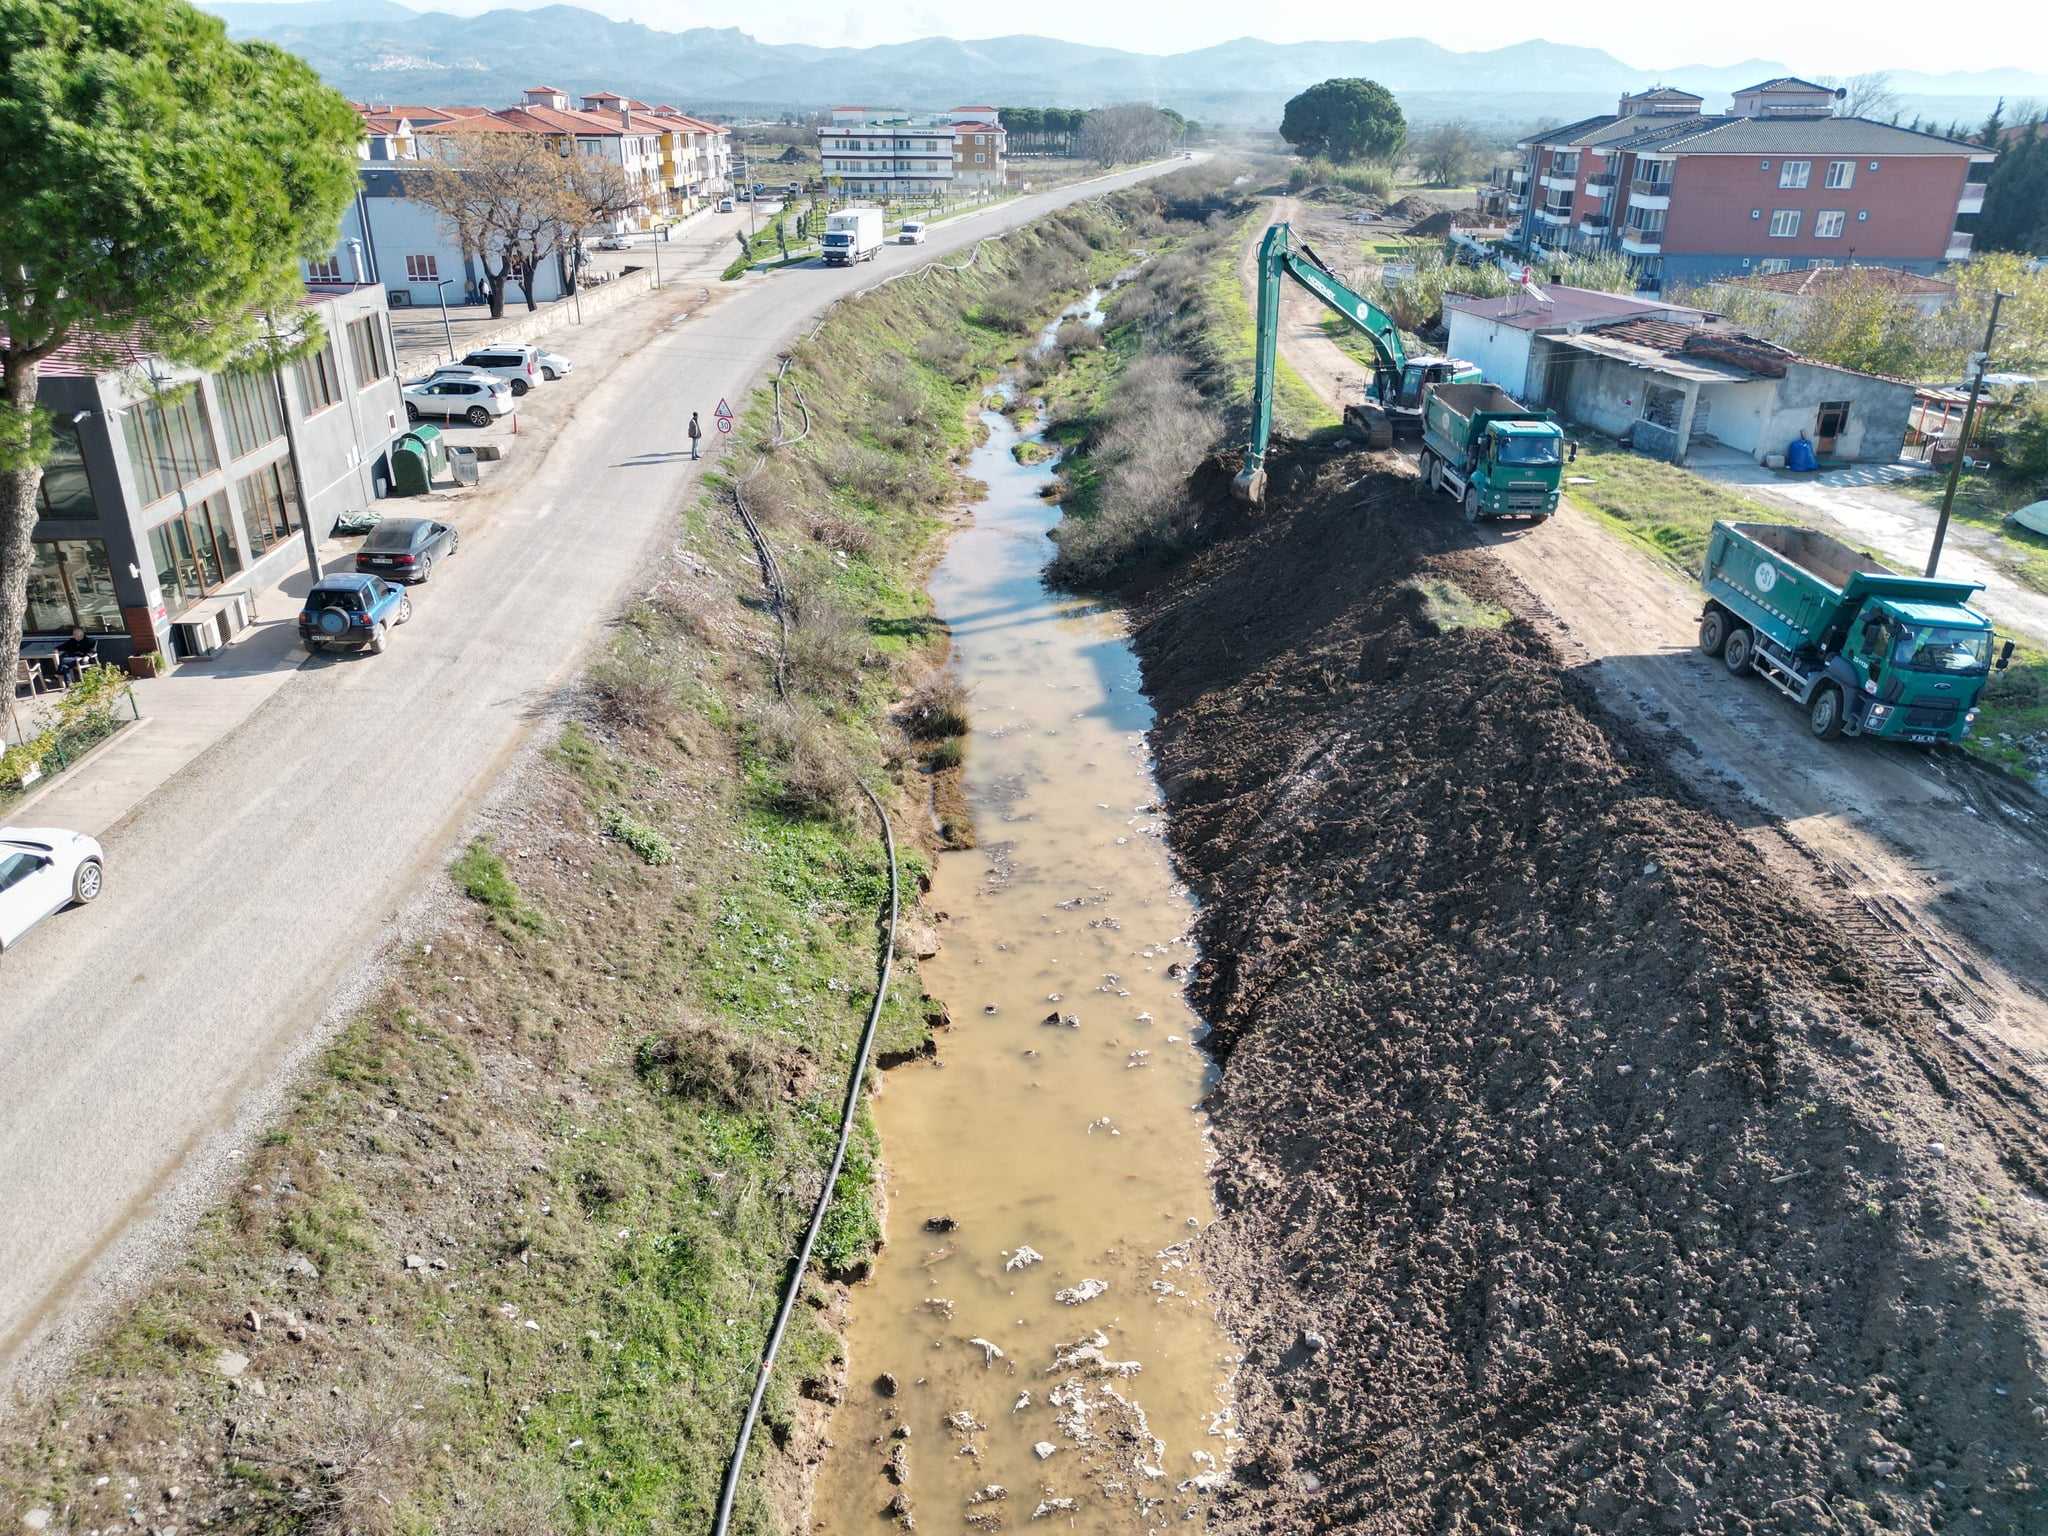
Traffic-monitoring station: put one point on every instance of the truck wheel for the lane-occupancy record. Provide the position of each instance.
(1735, 651)
(1472, 507)
(1713, 632)
(1825, 714)
(1422, 473)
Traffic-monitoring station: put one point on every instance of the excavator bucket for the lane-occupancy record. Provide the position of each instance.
(1250, 487)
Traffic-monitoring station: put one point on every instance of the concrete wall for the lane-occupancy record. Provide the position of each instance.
(1878, 410)
(1501, 351)
(1733, 414)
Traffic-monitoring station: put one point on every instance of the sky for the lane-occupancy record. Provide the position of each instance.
(1836, 39)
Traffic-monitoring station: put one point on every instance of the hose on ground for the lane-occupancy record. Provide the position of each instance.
(848, 1113)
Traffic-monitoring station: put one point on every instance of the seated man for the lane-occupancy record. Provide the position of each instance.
(76, 654)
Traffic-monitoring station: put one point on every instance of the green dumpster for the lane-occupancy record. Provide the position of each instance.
(416, 459)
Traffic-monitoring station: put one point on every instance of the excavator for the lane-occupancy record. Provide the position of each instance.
(1394, 399)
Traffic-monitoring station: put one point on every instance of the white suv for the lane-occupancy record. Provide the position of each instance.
(518, 366)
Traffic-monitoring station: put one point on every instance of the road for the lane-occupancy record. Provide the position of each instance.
(144, 1038)
(1929, 855)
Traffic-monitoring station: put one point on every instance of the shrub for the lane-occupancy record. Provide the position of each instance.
(856, 540)
(1366, 180)
(829, 646)
(949, 753)
(634, 691)
(637, 835)
(937, 709)
(1077, 335)
(701, 1063)
(812, 781)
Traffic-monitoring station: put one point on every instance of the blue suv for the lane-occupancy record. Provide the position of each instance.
(352, 612)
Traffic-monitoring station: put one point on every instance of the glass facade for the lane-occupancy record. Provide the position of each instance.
(249, 402)
(270, 507)
(66, 490)
(195, 554)
(170, 442)
(71, 584)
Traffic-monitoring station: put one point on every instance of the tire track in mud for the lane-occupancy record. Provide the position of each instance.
(1589, 1165)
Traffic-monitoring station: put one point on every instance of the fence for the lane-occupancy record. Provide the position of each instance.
(95, 708)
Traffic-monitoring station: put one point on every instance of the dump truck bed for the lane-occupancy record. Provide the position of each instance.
(1794, 584)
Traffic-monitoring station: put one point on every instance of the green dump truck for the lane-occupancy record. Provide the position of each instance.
(1497, 457)
(1863, 651)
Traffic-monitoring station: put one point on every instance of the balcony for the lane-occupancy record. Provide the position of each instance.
(1650, 186)
(1550, 213)
(1601, 185)
(1638, 241)
(1518, 204)
(1959, 245)
(1560, 181)
(1972, 200)
(1596, 224)
(1519, 177)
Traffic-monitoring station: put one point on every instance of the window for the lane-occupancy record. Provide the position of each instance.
(195, 553)
(1828, 223)
(366, 351)
(325, 270)
(1784, 223)
(320, 380)
(1841, 175)
(70, 583)
(270, 507)
(1775, 264)
(422, 269)
(66, 492)
(249, 401)
(979, 157)
(170, 442)
(1794, 173)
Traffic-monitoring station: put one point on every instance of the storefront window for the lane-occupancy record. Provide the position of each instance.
(269, 501)
(170, 443)
(71, 584)
(66, 491)
(195, 553)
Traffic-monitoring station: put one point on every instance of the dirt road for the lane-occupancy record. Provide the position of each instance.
(145, 1037)
(1925, 857)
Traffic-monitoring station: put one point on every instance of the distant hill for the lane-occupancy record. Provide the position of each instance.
(377, 50)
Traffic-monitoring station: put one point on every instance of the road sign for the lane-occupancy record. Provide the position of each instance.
(724, 415)
(725, 423)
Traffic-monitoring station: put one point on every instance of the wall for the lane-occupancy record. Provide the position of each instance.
(1734, 413)
(398, 227)
(1878, 412)
(1910, 201)
(1501, 351)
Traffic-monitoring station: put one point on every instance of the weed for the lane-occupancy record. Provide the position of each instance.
(700, 1062)
(949, 753)
(936, 709)
(634, 691)
(481, 875)
(1450, 606)
(637, 835)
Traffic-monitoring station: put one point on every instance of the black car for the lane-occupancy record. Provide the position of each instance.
(405, 548)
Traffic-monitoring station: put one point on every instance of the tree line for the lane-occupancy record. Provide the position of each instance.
(1109, 135)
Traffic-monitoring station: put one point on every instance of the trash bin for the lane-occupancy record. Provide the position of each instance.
(462, 461)
(416, 458)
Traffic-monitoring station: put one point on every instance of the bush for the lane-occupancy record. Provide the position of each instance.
(937, 709)
(1367, 180)
(829, 646)
(634, 691)
(1077, 335)
(637, 835)
(813, 782)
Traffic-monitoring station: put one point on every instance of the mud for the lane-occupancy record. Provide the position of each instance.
(1580, 1173)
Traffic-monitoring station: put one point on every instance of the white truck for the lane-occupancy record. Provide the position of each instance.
(852, 234)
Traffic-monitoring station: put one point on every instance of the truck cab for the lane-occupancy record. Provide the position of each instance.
(1919, 668)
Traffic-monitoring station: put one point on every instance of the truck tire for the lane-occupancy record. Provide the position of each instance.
(1471, 504)
(1736, 650)
(1713, 632)
(1824, 715)
(1422, 485)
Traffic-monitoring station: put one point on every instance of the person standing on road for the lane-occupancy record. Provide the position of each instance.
(696, 432)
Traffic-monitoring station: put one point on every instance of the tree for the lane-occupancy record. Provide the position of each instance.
(1872, 95)
(512, 200)
(2015, 216)
(1346, 120)
(1444, 154)
(156, 181)
(1121, 134)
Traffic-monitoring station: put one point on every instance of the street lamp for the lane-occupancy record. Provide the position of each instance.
(447, 330)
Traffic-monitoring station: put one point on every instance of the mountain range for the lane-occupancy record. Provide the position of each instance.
(378, 50)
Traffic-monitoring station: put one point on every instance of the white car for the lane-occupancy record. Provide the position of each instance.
(471, 397)
(552, 364)
(912, 232)
(43, 870)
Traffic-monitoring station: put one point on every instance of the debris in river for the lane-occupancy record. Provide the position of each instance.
(988, 1495)
(940, 1304)
(1175, 971)
(1023, 1402)
(990, 1353)
(886, 1384)
(1025, 1255)
(897, 1467)
(961, 1422)
(1051, 1507)
(1074, 1295)
(941, 1224)
(1137, 1059)
(1043, 1449)
(1087, 1354)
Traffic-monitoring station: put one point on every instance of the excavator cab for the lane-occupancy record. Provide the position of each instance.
(1422, 372)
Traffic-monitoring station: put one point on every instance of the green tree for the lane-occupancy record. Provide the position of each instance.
(1346, 120)
(2015, 216)
(157, 181)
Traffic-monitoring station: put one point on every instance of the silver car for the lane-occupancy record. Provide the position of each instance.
(43, 870)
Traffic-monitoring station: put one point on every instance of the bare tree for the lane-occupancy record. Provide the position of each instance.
(1872, 95)
(1133, 131)
(503, 197)
(1444, 154)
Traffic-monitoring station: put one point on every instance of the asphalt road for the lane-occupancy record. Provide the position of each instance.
(143, 1038)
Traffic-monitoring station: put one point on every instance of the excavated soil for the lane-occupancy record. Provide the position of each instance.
(1577, 1176)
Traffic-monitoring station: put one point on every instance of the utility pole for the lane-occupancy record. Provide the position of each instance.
(447, 331)
(1955, 470)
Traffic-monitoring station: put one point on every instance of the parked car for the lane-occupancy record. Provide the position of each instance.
(405, 548)
(725, 205)
(43, 870)
(552, 364)
(458, 397)
(612, 243)
(518, 366)
(912, 232)
(353, 612)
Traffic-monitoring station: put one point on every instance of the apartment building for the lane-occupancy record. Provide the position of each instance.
(881, 153)
(172, 496)
(1779, 183)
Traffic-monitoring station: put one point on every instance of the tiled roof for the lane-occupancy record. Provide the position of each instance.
(490, 122)
(1816, 279)
(1808, 135)
(1787, 84)
(1664, 93)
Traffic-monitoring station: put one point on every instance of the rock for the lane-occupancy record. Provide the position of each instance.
(1022, 1257)
(229, 1364)
(885, 1384)
(941, 1224)
(900, 1432)
(988, 1495)
(1051, 1018)
(943, 1305)
(917, 942)
(1314, 1342)
(1086, 1290)
(1070, 1020)
(296, 1263)
(1937, 1148)
(1175, 971)
(961, 1422)
(1052, 1507)
(898, 1507)
(1043, 1449)
(897, 1467)
(253, 1320)
(414, 1261)
(37, 1519)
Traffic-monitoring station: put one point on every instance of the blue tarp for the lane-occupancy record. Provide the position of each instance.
(1799, 456)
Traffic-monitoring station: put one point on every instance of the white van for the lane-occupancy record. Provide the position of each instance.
(912, 232)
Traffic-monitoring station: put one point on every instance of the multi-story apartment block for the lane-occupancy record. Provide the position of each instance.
(1777, 184)
(878, 152)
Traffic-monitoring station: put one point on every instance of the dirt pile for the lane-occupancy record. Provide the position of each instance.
(1578, 1178)
(1441, 223)
(1412, 207)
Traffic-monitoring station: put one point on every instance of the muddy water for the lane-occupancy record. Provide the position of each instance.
(1056, 1129)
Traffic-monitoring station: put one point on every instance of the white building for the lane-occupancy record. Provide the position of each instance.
(880, 152)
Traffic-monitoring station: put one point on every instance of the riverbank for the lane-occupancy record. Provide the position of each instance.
(508, 1262)
(1576, 1173)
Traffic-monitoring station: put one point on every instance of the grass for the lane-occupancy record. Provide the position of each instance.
(1984, 501)
(516, 1243)
(1656, 506)
(1450, 606)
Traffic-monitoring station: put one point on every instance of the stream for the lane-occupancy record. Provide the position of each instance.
(1054, 1359)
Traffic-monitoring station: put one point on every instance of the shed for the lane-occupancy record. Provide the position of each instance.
(1498, 334)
